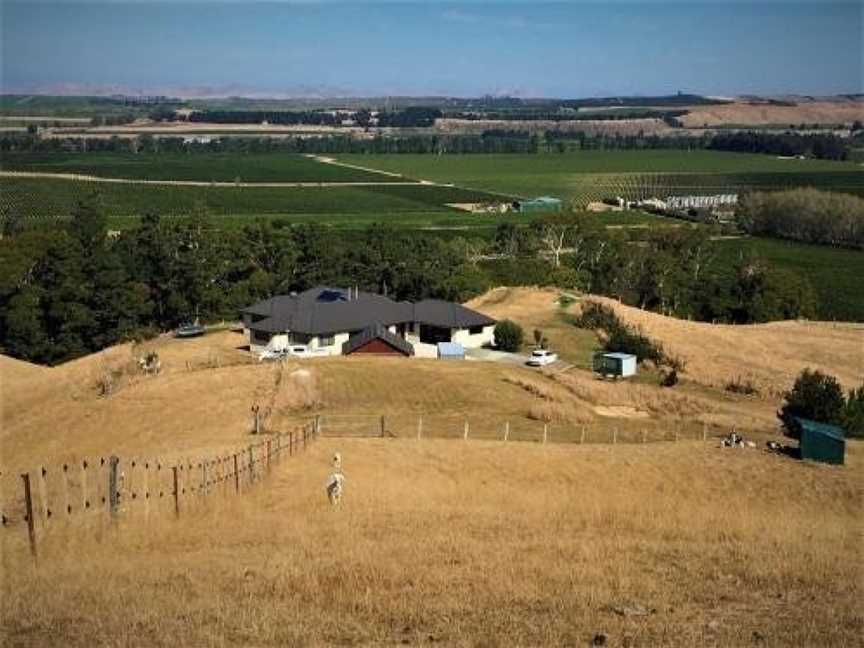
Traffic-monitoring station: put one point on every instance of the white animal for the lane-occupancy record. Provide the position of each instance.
(337, 462)
(335, 487)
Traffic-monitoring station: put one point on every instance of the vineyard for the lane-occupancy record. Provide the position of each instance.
(203, 167)
(55, 198)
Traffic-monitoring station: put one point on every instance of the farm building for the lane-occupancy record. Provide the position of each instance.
(337, 321)
(617, 365)
(821, 442)
(541, 204)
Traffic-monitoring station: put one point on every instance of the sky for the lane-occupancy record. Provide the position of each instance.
(527, 49)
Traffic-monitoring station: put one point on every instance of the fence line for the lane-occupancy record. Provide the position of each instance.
(108, 489)
(423, 425)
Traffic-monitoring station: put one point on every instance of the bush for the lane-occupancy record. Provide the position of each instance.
(670, 378)
(815, 396)
(741, 386)
(508, 335)
(621, 337)
(853, 413)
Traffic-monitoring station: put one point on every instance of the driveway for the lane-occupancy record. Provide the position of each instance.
(490, 355)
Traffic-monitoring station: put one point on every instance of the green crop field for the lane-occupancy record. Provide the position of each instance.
(204, 167)
(834, 273)
(47, 198)
(583, 176)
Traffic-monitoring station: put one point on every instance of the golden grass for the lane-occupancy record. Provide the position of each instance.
(770, 355)
(470, 543)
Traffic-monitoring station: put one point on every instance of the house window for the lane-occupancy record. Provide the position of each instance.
(475, 330)
(326, 340)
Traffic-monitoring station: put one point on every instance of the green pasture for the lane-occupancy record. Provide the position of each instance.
(202, 167)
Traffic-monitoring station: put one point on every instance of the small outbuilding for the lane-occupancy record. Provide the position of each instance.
(821, 442)
(540, 204)
(451, 351)
(615, 365)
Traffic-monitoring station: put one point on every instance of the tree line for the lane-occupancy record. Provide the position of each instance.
(824, 147)
(805, 215)
(68, 289)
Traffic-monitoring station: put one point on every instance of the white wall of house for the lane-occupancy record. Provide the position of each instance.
(473, 340)
(333, 343)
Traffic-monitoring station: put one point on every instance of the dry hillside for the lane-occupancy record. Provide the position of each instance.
(453, 543)
(759, 114)
(771, 355)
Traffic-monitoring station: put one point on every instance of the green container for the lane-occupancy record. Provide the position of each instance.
(822, 442)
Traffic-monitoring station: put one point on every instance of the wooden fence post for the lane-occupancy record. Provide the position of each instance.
(419, 426)
(113, 493)
(291, 443)
(28, 508)
(43, 495)
(383, 427)
(506, 430)
(85, 500)
(317, 424)
(644, 436)
(236, 474)
(268, 454)
(67, 506)
(545, 431)
(251, 465)
(582, 436)
(176, 477)
(614, 435)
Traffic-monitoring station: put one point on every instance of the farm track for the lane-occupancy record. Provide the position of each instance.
(202, 183)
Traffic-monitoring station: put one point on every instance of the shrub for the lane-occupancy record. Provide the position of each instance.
(670, 378)
(815, 396)
(853, 413)
(621, 337)
(739, 385)
(508, 335)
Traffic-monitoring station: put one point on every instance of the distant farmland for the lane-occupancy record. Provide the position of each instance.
(584, 176)
(51, 198)
(204, 167)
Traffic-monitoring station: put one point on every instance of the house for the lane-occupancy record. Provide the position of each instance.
(340, 321)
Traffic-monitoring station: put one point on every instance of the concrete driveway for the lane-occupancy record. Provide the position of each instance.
(491, 355)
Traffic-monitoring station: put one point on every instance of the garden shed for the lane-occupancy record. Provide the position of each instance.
(821, 441)
(617, 365)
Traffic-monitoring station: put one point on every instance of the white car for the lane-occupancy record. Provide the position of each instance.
(542, 357)
(271, 354)
(303, 351)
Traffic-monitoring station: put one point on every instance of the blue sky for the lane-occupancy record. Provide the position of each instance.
(564, 49)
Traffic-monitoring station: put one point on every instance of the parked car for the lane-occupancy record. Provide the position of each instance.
(542, 357)
(303, 351)
(271, 354)
(191, 329)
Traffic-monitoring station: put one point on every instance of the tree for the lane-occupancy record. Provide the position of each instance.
(815, 396)
(853, 413)
(508, 335)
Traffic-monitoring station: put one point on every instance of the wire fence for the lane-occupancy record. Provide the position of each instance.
(440, 426)
(110, 487)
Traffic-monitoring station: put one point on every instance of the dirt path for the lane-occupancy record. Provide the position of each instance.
(201, 183)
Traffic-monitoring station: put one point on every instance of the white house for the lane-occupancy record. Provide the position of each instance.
(337, 321)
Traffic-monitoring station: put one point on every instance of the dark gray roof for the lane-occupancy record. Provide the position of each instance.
(323, 310)
(377, 332)
(448, 314)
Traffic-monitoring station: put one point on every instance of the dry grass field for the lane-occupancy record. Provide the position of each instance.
(770, 355)
(442, 541)
(478, 543)
(759, 114)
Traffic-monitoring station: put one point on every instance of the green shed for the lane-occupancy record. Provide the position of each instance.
(821, 442)
(543, 203)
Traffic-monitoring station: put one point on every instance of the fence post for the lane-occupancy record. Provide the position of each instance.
(676, 434)
(43, 495)
(317, 424)
(236, 474)
(176, 479)
(465, 435)
(113, 493)
(67, 507)
(251, 465)
(644, 437)
(268, 454)
(419, 426)
(85, 501)
(614, 435)
(705, 433)
(506, 430)
(545, 431)
(383, 427)
(291, 443)
(203, 477)
(28, 507)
